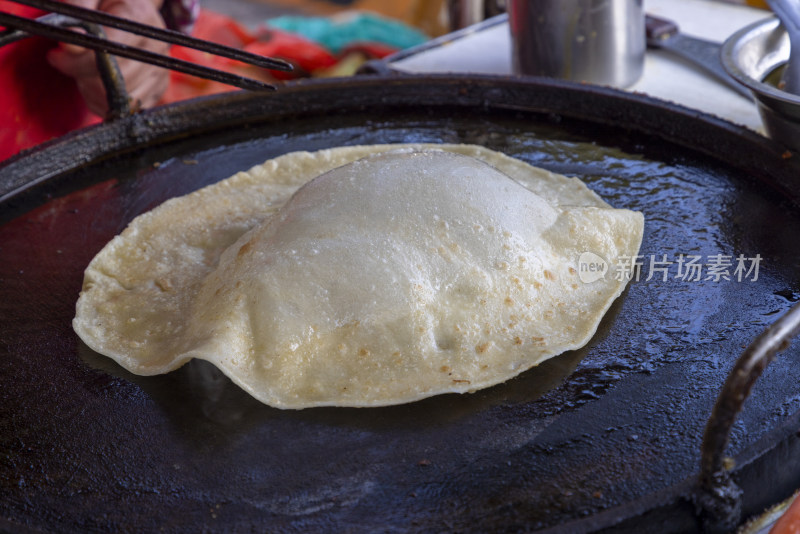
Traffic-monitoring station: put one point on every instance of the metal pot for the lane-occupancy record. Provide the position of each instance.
(753, 57)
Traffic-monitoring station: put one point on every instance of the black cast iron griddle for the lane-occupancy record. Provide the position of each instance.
(607, 437)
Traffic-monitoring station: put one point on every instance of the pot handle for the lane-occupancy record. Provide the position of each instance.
(119, 103)
(717, 498)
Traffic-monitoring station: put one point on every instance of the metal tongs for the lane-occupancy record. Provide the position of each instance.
(62, 18)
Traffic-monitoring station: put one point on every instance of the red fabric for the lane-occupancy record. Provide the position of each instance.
(37, 103)
(789, 522)
(304, 54)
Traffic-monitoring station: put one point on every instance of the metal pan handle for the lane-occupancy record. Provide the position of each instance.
(718, 499)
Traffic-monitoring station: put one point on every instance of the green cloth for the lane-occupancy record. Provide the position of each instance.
(362, 27)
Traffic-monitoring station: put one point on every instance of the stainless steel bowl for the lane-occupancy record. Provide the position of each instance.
(593, 41)
(753, 56)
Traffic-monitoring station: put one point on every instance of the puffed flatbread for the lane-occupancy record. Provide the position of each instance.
(360, 276)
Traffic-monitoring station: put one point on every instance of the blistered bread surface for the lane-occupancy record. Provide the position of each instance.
(360, 276)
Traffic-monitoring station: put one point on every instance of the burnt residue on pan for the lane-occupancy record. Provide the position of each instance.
(608, 435)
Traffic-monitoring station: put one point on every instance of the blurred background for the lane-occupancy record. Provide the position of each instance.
(428, 16)
(325, 38)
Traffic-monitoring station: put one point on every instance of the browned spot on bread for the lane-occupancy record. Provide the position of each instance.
(163, 284)
(244, 249)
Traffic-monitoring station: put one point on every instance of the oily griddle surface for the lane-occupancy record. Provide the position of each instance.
(86, 446)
